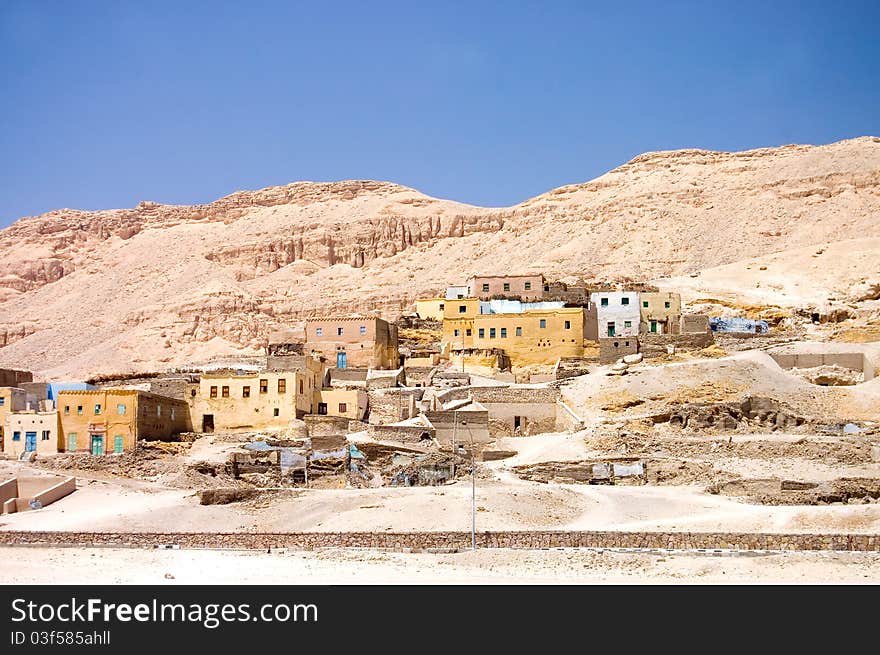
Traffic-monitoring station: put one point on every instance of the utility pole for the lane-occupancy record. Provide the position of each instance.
(454, 428)
(473, 496)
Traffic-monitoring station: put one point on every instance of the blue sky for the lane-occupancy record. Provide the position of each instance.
(104, 104)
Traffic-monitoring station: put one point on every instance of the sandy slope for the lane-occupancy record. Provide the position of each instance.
(88, 292)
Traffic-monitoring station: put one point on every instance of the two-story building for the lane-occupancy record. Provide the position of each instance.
(617, 313)
(660, 312)
(354, 341)
(523, 287)
(12, 399)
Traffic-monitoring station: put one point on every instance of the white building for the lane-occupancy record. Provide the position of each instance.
(457, 292)
(617, 313)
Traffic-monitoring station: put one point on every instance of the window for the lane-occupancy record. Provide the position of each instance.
(542, 323)
(604, 302)
(45, 435)
(282, 385)
(192, 392)
(224, 391)
(275, 412)
(627, 324)
(158, 410)
(363, 330)
(455, 333)
(322, 408)
(518, 331)
(442, 306)
(213, 392)
(2, 401)
(67, 410)
(507, 286)
(528, 286)
(264, 386)
(667, 304)
(491, 333)
(503, 333)
(468, 332)
(120, 409)
(172, 413)
(568, 325)
(246, 391)
(462, 309)
(339, 332)
(624, 301)
(485, 287)
(97, 409)
(343, 407)
(300, 386)
(319, 332)
(16, 436)
(79, 409)
(481, 333)
(644, 303)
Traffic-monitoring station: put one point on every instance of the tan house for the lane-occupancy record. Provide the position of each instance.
(525, 287)
(226, 401)
(430, 309)
(32, 431)
(354, 341)
(346, 403)
(530, 337)
(111, 420)
(12, 399)
(659, 312)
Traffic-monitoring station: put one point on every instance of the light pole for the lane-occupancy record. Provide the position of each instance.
(473, 488)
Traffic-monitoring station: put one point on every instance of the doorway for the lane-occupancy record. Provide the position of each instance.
(340, 359)
(207, 422)
(611, 328)
(97, 444)
(30, 441)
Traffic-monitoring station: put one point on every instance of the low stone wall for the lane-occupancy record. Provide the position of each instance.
(655, 344)
(450, 540)
(613, 348)
(401, 433)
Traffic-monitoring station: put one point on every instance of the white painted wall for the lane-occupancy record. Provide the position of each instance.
(617, 312)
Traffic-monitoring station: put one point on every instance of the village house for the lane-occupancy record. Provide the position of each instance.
(239, 400)
(346, 403)
(12, 399)
(534, 336)
(617, 313)
(457, 292)
(32, 430)
(430, 309)
(523, 287)
(354, 341)
(10, 377)
(660, 312)
(113, 419)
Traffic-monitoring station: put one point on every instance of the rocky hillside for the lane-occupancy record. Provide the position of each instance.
(143, 288)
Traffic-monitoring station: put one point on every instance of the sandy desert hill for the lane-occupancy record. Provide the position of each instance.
(85, 292)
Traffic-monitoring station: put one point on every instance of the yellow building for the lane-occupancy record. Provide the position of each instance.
(347, 403)
(253, 401)
(431, 309)
(111, 420)
(31, 430)
(530, 337)
(659, 312)
(12, 399)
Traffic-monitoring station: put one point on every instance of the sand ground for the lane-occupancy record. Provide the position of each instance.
(497, 566)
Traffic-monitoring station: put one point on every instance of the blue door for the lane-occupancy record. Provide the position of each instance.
(30, 441)
(340, 360)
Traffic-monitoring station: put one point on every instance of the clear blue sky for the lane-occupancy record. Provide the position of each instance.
(104, 104)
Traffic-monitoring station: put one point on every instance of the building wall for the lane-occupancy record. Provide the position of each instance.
(12, 400)
(613, 348)
(692, 323)
(662, 308)
(534, 344)
(355, 401)
(622, 309)
(470, 424)
(488, 286)
(392, 405)
(368, 342)
(43, 423)
(10, 377)
(430, 308)
(456, 292)
(128, 413)
(292, 399)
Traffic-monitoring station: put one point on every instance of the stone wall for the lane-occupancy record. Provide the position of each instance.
(613, 348)
(652, 345)
(319, 425)
(392, 405)
(401, 433)
(451, 540)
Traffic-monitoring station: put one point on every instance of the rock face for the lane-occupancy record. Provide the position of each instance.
(141, 289)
